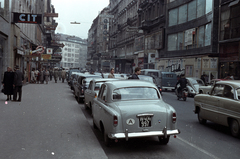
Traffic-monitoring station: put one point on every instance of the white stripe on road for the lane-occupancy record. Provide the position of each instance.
(198, 148)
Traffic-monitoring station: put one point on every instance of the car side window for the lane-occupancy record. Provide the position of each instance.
(228, 92)
(104, 94)
(90, 85)
(218, 90)
(101, 91)
(238, 93)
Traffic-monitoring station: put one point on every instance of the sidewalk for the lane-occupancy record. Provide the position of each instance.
(47, 123)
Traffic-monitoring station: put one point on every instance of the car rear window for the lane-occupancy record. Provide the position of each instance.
(135, 93)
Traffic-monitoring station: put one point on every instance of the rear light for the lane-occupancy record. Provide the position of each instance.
(95, 95)
(160, 90)
(115, 120)
(82, 91)
(174, 117)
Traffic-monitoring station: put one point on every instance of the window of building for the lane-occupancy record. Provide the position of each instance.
(209, 5)
(182, 16)
(69, 54)
(172, 42)
(192, 7)
(173, 19)
(200, 8)
(208, 30)
(180, 43)
(69, 50)
(76, 55)
(69, 60)
(201, 36)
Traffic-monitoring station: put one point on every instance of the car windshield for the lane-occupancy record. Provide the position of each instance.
(150, 79)
(135, 93)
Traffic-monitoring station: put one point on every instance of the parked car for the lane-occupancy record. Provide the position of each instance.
(193, 85)
(221, 105)
(93, 89)
(73, 79)
(81, 85)
(150, 79)
(208, 88)
(70, 71)
(129, 109)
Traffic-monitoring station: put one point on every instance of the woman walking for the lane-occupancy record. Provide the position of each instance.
(46, 76)
(8, 82)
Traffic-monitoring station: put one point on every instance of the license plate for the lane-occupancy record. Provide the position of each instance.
(145, 121)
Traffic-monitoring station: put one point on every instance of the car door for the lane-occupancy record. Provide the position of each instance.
(210, 106)
(87, 94)
(229, 105)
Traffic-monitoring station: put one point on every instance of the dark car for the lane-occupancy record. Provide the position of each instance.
(70, 72)
(81, 85)
(73, 78)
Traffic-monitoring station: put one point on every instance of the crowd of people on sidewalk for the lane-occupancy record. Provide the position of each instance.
(14, 79)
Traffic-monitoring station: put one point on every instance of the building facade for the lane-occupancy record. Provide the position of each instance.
(74, 53)
(229, 39)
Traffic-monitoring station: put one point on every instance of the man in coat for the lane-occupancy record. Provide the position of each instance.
(137, 72)
(17, 84)
(55, 74)
(111, 75)
(63, 75)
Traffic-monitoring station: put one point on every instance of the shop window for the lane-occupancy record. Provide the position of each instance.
(200, 8)
(172, 42)
(172, 17)
(225, 25)
(208, 30)
(182, 16)
(192, 7)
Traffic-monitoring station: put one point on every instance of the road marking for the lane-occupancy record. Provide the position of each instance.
(198, 148)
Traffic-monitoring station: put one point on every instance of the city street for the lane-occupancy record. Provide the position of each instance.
(49, 123)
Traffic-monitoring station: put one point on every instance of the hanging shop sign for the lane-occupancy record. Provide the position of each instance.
(46, 56)
(27, 18)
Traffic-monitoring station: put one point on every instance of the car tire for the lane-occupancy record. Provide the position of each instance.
(163, 140)
(201, 120)
(85, 106)
(94, 125)
(106, 139)
(234, 127)
(80, 100)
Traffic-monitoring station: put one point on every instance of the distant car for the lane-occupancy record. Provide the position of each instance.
(73, 79)
(208, 88)
(221, 106)
(150, 79)
(133, 108)
(93, 89)
(193, 85)
(81, 85)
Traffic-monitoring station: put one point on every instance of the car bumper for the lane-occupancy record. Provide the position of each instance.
(168, 88)
(127, 135)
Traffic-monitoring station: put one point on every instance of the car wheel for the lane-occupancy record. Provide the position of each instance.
(85, 105)
(106, 139)
(201, 120)
(163, 140)
(80, 100)
(234, 127)
(94, 125)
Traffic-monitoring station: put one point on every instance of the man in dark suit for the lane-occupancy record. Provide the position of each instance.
(17, 84)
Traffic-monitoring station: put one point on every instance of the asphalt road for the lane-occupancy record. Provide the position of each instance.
(195, 141)
(49, 123)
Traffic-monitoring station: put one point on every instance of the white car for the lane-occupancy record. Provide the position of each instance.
(193, 85)
(92, 91)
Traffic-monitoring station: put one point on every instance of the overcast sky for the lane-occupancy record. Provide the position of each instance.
(83, 11)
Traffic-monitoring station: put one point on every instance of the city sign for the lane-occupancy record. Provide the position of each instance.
(27, 18)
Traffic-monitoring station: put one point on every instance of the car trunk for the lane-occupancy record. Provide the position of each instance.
(144, 115)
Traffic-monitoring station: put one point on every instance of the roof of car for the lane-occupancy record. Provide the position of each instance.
(129, 83)
(234, 83)
(150, 70)
(104, 79)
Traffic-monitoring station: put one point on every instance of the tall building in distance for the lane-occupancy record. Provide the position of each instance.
(74, 53)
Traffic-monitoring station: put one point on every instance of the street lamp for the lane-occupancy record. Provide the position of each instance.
(75, 22)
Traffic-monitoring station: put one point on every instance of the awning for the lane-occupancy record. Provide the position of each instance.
(233, 3)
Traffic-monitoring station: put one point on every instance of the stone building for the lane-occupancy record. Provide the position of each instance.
(21, 31)
(74, 53)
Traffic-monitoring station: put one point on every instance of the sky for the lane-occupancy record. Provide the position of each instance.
(83, 11)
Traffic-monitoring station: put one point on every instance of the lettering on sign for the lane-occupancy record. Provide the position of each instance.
(27, 18)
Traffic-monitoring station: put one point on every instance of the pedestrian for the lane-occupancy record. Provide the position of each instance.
(33, 78)
(8, 83)
(111, 75)
(46, 76)
(41, 76)
(137, 72)
(25, 76)
(59, 74)
(17, 84)
(203, 78)
(55, 74)
(37, 76)
(63, 75)
(50, 74)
